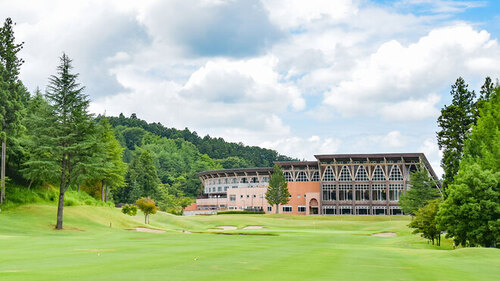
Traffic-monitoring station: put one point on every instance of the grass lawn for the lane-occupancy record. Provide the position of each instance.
(287, 248)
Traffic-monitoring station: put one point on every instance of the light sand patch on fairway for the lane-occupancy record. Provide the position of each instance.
(95, 250)
(11, 271)
(385, 234)
(227, 227)
(223, 227)
(148, 230)
(185, 231)
(254, 227)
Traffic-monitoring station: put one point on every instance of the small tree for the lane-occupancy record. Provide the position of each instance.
(425, 222)
(423, 189)
(277, 192)
(147, 206)
(130, 210)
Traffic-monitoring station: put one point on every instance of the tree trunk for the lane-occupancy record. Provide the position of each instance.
(106, 194)
(277, 208)
(60, 207)
(78, 188)
(102, 191)
(145, 219)
(2, 176)
(29, 186)
(62, 189)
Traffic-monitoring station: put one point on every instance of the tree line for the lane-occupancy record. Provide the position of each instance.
(468, 210)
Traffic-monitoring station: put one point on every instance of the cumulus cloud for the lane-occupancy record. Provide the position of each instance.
(304, 148)
(406, 75)
(241, 99)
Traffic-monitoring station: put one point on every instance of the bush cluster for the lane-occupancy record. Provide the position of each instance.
(240, 212)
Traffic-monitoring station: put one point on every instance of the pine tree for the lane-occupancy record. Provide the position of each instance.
(113, 174)
(142, 179)
(12, 95)
(455, 122)
(277, 192)
(71, 136)
(39, 166)
(423, 189)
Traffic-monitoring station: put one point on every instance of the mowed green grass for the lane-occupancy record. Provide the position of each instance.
(287, 248)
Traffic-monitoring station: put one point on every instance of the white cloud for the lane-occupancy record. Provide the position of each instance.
(412, 109)
(237, 99)
(393, 141)
(297, 12)
(304, 148)
(398, 75)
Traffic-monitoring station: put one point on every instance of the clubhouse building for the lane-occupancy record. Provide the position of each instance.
(335, 184)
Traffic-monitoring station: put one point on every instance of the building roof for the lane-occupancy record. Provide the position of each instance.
(238, 170)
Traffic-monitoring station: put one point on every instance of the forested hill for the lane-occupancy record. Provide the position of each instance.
(227, 154)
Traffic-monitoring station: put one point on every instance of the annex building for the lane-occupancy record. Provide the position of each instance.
(335, 184)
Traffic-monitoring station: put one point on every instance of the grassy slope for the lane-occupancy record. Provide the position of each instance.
(305, 248)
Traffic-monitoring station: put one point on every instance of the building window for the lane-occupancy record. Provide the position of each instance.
(345, 192)
(362, 210)
(298, 195)
(232, 197)
(226, 180)
(361, 174)
(265, 179)
(234, 180)
(243, 180)
(269, 208)
(345, 174)
(395, 174)
(329, 210)
(379, 192)
(315, 176)
(288, 176)
(301, 176)
(219, 188)
(378, 174)
(329, 193)
(254, 196)
(395, 191)
(287, 209)
(248, 196)
(241, 196)
(345, 210)
(379, 210)
(219, 181)
(301, 209)
(362, 192)
(328, 175)
(254, 180)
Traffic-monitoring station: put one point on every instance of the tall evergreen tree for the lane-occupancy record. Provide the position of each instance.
(39, 166)
(12, 95)
(113, 174)
(471, 213)
(277, 192)
(455, 122)
(70, 136)
(142, 179)
(423, 189)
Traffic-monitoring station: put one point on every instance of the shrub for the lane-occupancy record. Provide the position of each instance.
(130, 210)
(240, 212)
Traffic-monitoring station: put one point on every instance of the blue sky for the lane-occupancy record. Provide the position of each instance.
(301, 77)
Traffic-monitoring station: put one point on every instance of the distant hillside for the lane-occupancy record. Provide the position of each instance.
(227, 154)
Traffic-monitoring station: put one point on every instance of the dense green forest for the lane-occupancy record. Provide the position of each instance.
(229, 155)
